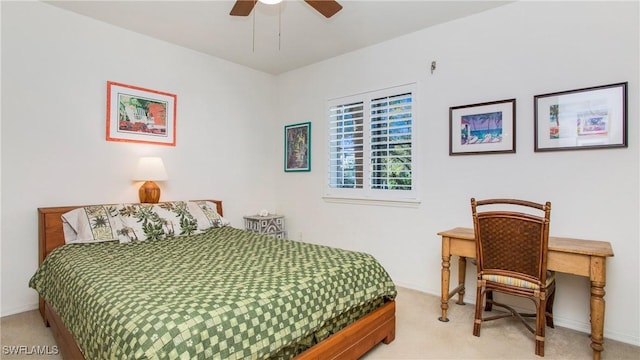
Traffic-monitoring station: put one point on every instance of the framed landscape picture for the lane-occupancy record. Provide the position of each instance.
(485, 128)
(297, 147)
(136, 114)
(589, 118)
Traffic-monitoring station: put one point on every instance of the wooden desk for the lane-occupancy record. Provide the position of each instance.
(572, 256)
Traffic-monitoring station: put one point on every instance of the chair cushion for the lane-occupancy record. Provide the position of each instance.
(508, 280)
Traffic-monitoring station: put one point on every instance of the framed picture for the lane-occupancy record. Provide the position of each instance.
(590, 118)
(297, 147)
(139, 115)
(485, 128)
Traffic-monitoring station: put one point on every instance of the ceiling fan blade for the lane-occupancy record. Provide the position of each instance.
(242, 7)
(328, 8)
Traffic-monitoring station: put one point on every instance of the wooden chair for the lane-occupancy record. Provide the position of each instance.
(511, 247)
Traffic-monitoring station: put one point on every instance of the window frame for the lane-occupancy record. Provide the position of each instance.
(366, 194)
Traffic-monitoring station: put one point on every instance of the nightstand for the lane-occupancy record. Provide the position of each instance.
(272, 225)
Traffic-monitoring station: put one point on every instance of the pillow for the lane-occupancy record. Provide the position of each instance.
(91, 224)
(207, 215)
(156, 221)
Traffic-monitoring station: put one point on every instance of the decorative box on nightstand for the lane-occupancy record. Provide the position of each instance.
(272, 225)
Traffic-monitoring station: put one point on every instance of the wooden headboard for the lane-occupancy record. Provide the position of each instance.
(50, 233)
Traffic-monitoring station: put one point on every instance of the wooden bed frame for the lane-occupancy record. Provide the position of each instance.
(349, 343)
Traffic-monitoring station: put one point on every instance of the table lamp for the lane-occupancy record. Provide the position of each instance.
(150, 169)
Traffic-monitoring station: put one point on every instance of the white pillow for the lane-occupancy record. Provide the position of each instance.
(156, 221)
(206, 212)
(91, 224)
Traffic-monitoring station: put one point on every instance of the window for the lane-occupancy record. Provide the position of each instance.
(371, 145)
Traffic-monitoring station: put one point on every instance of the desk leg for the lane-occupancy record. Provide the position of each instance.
(598, 281)
(462, 272)
(446, 275)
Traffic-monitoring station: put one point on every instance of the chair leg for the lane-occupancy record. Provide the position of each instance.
(488, 305)
(549, 309)
(478, 315)
(540, 327)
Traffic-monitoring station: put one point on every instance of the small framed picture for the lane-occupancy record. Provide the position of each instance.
(297, 147)
(140, 115)
(589, 118)
(485, 128)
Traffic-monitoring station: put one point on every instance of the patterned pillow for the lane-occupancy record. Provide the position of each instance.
(207, 215)
(91, 224)
(156, 221)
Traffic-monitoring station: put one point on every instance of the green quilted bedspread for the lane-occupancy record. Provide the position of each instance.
(223, 294)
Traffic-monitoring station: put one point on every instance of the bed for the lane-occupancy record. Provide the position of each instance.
(335, 304)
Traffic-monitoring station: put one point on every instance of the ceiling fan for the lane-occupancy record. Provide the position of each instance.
(328, 8)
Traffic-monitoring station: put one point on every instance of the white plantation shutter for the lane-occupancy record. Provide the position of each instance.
(371, 149)
(391, 145)
(346, 151)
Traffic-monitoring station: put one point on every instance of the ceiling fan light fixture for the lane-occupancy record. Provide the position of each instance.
(327, 8)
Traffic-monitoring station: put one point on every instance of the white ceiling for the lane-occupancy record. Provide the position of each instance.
(306, 36)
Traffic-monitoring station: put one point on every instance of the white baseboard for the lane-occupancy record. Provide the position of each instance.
(18, 309)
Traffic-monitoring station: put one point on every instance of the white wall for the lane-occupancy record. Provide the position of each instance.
(516, 51)
(55, 65)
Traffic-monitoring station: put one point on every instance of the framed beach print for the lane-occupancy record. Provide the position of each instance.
(589, 118)
(485, 128)
(140, 115)
(297, 147)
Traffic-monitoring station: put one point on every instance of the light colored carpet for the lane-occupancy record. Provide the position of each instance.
(419, 335)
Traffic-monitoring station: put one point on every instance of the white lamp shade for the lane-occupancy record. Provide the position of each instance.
(150, 169)
(270, 2)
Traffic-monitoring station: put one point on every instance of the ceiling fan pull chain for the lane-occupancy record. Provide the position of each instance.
(253, 39)
(279, 24)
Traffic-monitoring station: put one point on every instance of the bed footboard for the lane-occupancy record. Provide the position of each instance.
(358, 338)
